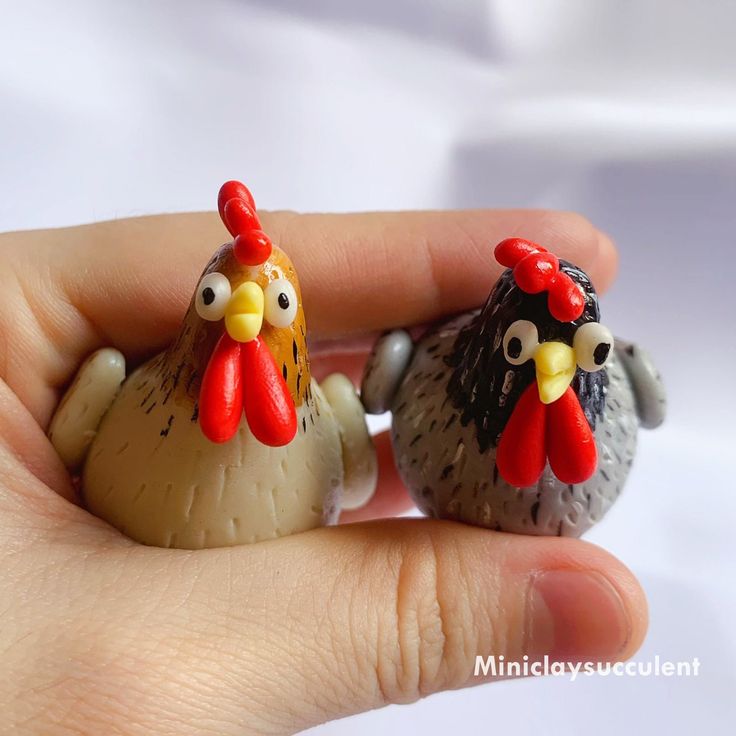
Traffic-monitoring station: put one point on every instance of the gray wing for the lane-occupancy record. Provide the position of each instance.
(385, 370)
(646, 383)
(78, 416)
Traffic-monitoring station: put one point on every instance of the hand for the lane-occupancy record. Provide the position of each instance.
(102, 635)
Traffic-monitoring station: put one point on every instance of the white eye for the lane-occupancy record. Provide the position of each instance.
(593, 344)
(520, 341)
(280, 303)
(213, 294)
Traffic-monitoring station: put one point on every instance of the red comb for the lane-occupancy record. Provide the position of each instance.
(536, 270)
(238, 213)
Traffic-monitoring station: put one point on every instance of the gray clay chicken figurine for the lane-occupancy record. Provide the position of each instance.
(521, 416)
(224, 438)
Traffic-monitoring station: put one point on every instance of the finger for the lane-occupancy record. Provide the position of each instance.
(356, 617)
(391, 497)
(413, 603)
(382, 270)
(25, 450)
(127, 283)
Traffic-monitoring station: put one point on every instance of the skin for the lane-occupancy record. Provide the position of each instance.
(101, 635)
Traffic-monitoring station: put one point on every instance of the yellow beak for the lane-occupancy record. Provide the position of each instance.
(555, 364)
(244, 312)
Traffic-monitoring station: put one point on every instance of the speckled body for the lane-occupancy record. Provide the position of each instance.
(151, 472)
(224, 438)
(449, 477)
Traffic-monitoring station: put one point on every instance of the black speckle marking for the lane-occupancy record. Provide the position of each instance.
(439, 376)
(605, 475)
(165, 431)
(177, 374)
(629, 350)
(148, 396)
(432, 425)
(295, 351)
(191, 379)
(534, 510)
(150, 408)
(450, 422)
(446, 471)
(495, 474)
(284, 371)
(415, 440)
(433, 348)
(195, 413)
(298, 381)
(304, 423)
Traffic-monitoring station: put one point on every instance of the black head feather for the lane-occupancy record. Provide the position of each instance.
(484, 387)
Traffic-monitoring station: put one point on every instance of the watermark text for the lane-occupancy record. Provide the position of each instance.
(493, 666)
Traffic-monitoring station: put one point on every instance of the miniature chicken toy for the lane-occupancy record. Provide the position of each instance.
(224, 438)
(521, 416)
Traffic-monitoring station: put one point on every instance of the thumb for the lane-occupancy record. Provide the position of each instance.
(359, 616)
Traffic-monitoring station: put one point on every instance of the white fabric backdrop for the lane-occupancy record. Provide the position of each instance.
(623, 111)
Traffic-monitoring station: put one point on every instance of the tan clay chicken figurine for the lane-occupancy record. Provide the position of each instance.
(224, 438)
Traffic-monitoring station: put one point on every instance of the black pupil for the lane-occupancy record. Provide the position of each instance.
(208, 295)
(283, 301)
(601, 353)
(514, 348)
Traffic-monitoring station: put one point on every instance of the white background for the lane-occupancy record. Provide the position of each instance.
(624, 111)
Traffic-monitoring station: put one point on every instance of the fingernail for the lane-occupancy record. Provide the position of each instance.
(575, 616)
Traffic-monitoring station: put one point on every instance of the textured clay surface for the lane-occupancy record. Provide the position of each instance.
(152, 474)
(440, 461)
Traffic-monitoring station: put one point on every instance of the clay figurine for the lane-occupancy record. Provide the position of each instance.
(224, 438)
(521, 416)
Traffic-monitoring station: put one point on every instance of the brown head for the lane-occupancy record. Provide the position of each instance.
(246, 331)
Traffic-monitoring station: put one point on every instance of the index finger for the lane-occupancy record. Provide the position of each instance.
(127, 283)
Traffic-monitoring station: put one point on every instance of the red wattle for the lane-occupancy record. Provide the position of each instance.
(221, 392)
(268, 405)
(522, 455)
(571, 448)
